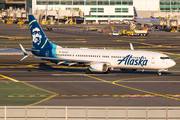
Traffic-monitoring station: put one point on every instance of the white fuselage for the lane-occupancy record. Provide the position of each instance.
(126, 59)
(147, 21)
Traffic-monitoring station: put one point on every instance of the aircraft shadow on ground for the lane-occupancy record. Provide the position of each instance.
(44, 66)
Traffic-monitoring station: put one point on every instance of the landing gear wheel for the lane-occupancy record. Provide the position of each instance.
(107, 72)
(159, 73)
(88, 71)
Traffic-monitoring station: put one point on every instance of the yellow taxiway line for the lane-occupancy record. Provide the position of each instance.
(51, 96)
(136, 89)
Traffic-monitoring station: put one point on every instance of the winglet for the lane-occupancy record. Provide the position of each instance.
(131, 46)
(24, 52)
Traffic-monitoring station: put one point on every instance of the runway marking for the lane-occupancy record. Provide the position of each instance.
(28, 95)
(141, 39)
(54, 94)
(139, 78)
(101, 81)
(9, 78)
(117, 95)
(114, 83)
(79, 39)
(176, 58)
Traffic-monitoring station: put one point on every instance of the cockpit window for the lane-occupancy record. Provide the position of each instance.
(164, 58)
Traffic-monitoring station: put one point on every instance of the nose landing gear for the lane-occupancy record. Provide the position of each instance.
(159, 73)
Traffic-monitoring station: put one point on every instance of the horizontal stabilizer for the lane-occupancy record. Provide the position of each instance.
(33, 50)
(24, 52)
(24, 57)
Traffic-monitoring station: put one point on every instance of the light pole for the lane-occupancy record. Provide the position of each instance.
(46, 11)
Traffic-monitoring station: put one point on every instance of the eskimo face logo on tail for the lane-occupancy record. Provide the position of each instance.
(128, 60)
(36, 35)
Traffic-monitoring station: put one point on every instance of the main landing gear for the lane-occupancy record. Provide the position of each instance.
(88, 71)
(107, 72)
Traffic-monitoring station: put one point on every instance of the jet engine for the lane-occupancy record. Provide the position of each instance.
(98, 67)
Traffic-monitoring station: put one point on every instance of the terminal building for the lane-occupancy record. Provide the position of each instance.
(104, 10)
(5, 4)
(101, 10)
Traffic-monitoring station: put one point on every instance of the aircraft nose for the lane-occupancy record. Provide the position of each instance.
(172, 63)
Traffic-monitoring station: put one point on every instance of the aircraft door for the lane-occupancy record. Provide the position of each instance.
(47, 53)
(153, 60)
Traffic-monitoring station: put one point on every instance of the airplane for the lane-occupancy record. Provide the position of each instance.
(146, 21)
(96, 60)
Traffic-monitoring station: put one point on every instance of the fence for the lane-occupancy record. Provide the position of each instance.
(88, 113)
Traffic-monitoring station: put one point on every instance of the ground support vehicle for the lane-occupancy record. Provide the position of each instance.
(174, 31)
(137, 32)
(115, 34)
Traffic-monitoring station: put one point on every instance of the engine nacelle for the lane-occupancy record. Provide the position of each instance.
(98, 67)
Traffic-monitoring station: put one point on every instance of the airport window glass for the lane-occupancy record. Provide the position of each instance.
(86, 15)
(124, 10)
(124, 16)
(90, 2)
(106, 2)
(112, 16)
(81, 2)
(51, 3)
(117, 10)
(168, 3)
(78, 2)
(173, 6)
(100, 10)
(75, 3)
(66, 2)
(130, 16)
(103, 2)
(161, 3)
(112, 2)
(118, 16)
(100, 2)
(93, 16)
(41, 3)
(165, 9)
(124, 2)
(73, 9)
(93, 9)
(174, 3)
(63, 2)
(93, 2)
(118, 2)
(130, 2)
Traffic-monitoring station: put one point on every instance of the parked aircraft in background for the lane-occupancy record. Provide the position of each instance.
(96, 60)
(146, 21)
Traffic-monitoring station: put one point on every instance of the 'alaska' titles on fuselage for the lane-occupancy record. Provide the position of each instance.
(128, 60)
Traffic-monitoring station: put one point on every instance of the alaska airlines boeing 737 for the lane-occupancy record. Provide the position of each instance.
(96, 60)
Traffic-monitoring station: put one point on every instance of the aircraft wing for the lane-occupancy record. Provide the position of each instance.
(69, 60)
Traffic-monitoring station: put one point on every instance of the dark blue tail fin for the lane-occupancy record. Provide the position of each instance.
(40, 41)
(135, 13)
